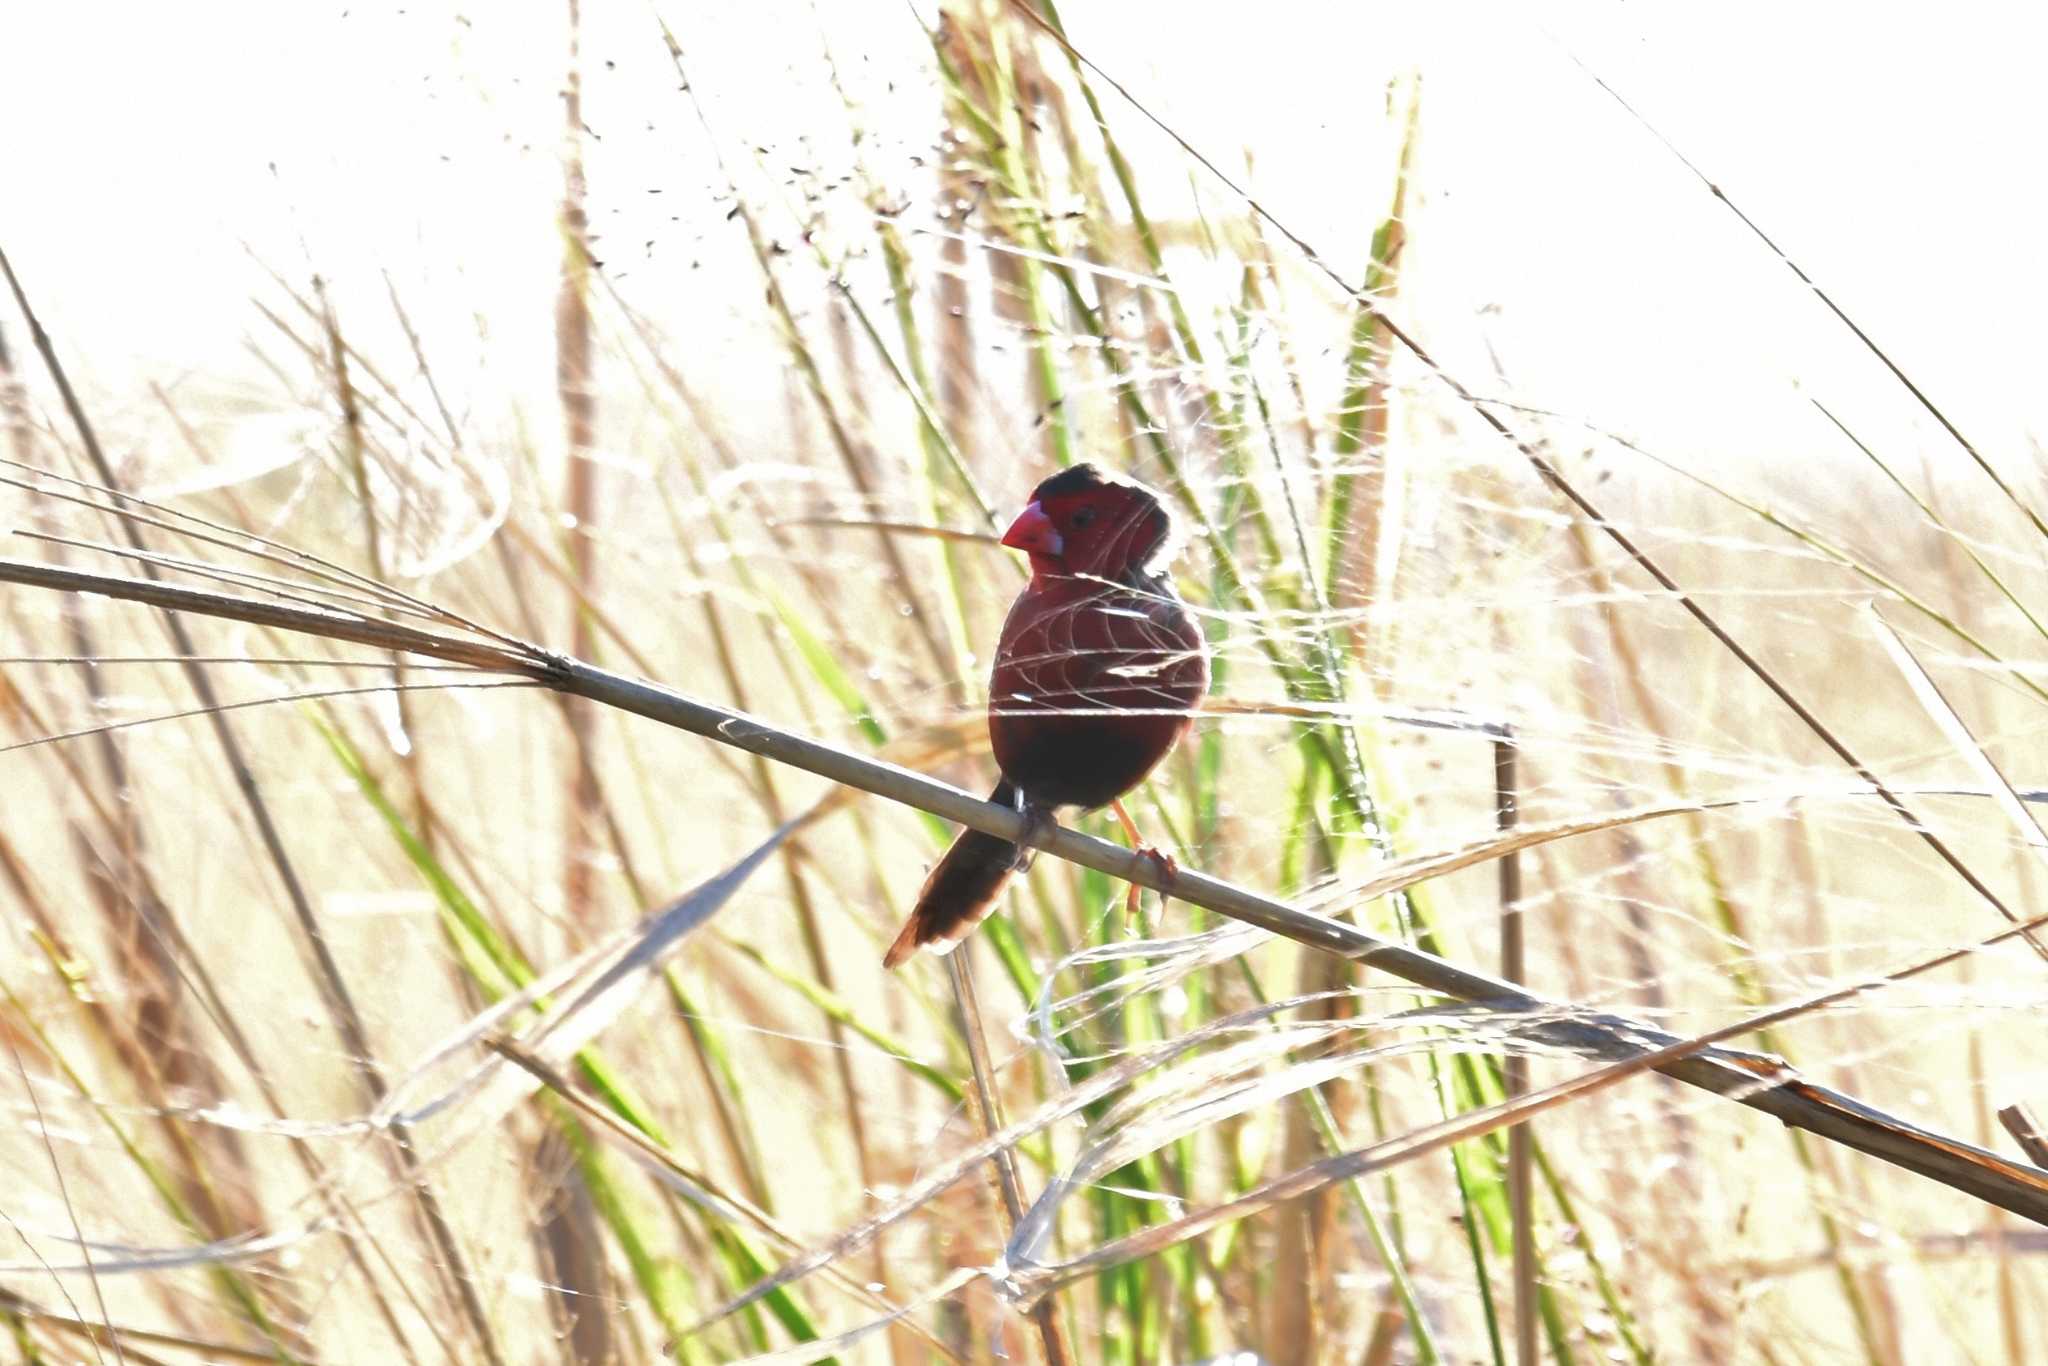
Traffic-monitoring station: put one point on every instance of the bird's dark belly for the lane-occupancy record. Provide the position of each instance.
(1092, 686)
(1076, 759)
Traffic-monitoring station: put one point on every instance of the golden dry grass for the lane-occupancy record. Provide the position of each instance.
(880, 336)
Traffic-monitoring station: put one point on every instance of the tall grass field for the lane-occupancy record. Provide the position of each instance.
(502, 571)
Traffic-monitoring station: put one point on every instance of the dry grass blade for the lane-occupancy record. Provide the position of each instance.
(696, 1187)
(1024, 1277)
(234, 578)
(853, 1337)
(1028, 1278)
(188, 526)
(1398, 874)
(1957, 732)
(1841, 315)
(1983, 1174)
(308, 620)
(713, 437)
(126, 1336)
(451, 1268)
(226, 708)
(1094, 1089)
(989, 1117)
(109, 1259)
(572, 1004)
(577, 1001)
(1552, 475)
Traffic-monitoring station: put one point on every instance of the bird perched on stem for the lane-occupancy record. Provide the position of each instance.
(1097, 675)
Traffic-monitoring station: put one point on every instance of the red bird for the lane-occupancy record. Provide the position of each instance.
(1097, 675)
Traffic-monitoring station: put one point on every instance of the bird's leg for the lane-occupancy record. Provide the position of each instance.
(1168, 869)
(1039, 823)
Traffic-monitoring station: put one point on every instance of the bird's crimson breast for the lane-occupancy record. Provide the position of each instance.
(1093, 684)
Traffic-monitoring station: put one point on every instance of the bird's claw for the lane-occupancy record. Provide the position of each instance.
(1159, 858)
(1168, 871)
(1039, 823)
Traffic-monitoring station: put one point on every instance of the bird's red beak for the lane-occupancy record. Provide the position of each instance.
(1034, 531)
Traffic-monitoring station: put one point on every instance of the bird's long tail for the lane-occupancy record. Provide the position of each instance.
(961, 890)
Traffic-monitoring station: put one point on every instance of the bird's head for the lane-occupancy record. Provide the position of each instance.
(1082, 521)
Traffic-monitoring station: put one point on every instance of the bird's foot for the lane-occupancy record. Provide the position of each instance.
(1168, 871)
(1158, 858)
(1039, 823)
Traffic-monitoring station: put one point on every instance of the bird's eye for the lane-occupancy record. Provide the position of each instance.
(1084, 517)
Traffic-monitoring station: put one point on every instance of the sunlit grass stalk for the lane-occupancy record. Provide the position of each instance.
(1727, 918)
(806, 366)
(897, 1051)
(327, 977)
(234, 1287)
(1473, 1083)
(721, 1081)
(1475, 1246)
(1326, 665)
(169, 939)
(499, 969)
(803, 906)
(942, 457)
(355, 461)
(150, 1040)
(576, 395)
(1327, 654)
(1045, 1314)
(1383, 1236)
(980, 76)
(1950, 537)
(1361, 419)
(1808, 1105)
(656, 1277)
(943, 460)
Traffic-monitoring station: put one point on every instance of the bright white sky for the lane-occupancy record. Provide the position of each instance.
(1895, 151)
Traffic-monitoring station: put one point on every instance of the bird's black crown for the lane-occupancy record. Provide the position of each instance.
(1073, 479)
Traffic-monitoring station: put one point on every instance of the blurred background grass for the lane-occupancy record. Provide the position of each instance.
(681, 373)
